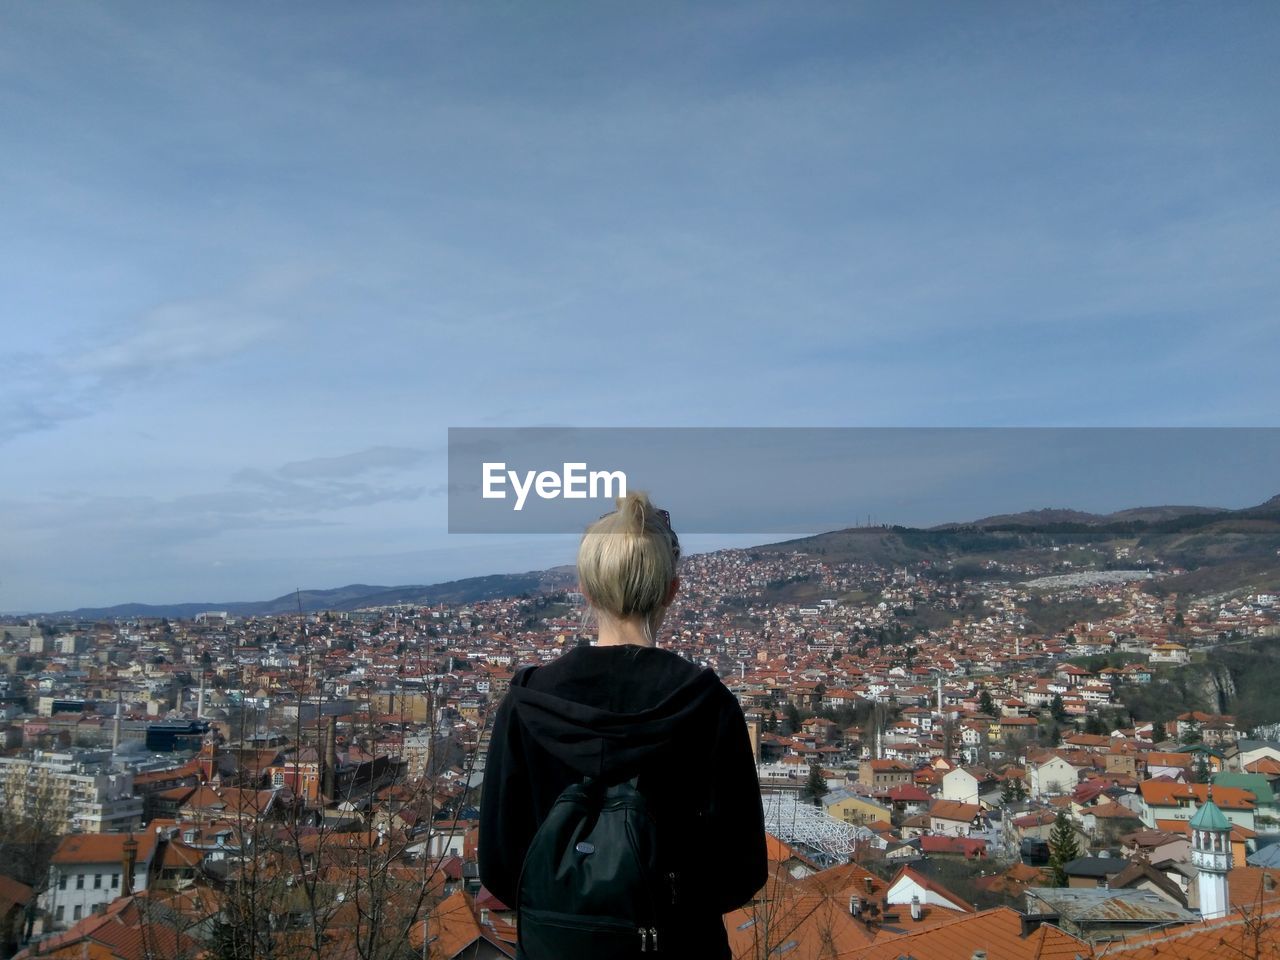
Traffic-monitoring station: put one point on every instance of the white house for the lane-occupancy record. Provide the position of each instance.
(87, 872)
(1051, 776)
(909, 887)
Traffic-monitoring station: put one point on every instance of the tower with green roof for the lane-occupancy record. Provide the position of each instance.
(1211, 855)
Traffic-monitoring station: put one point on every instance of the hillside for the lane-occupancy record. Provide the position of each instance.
(1220, 550)
(351, 597)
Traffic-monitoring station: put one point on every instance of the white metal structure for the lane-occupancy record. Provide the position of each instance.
(799, 823)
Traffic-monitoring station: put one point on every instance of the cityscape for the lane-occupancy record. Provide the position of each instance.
(1055, 739)
(742, 480)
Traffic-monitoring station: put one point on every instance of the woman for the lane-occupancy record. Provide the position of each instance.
(624, 709)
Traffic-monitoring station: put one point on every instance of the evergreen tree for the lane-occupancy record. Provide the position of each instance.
(1007, 794)
(985, 703)
(1192, 734)
(1057, 709)
(1063, 848)
(1157, 732)
(793, 717)
(816, 786)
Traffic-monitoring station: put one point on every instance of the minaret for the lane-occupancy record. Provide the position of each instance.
(200, 699)
(1211, 855)
(940, 695)
(115, 724)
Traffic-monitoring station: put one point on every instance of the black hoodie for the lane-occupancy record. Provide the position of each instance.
(616, 712)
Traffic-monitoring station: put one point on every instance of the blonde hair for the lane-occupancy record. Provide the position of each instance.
(627, 559)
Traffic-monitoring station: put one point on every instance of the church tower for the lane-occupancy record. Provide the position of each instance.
(1211, 855)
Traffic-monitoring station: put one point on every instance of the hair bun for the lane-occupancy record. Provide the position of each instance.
(634, 507)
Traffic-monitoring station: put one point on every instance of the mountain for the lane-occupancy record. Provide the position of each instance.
(1049, 515)
(354, 596)
(1032, 518)
(1220, 549)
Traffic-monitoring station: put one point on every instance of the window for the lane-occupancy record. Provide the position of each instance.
(75, 914)
(97, 881)
(115, 881)
(79, 881)
(60, 913)
(62, 881)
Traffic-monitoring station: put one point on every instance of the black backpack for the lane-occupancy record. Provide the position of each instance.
(591, 885)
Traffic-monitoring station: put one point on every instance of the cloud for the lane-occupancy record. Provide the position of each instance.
(171, 335)
(354, 464)
(48, 389)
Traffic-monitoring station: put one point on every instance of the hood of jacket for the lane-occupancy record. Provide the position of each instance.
(601, 743)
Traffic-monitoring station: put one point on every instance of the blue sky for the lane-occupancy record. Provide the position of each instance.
(239, 251)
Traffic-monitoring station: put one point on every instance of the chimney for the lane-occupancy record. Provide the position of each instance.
(868, 882)
(855, 905)
(915, 908)
(129, 861)
(329, 785)
(1268, 882)
(979, 955)
(1031, 922)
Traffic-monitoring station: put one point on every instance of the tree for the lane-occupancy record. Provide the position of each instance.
(1191, 734)
(1064, 847)
(1057, 709)
(1200, 769)
(793, 717)
(1013, 790)
(816, 786)
(1157, 732)
(985, 703)
(34, 814)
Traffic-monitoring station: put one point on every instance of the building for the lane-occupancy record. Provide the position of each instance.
(77, 788)
(1166, 803)
(1211, 855)
(88, 871)
(950, 818)
(1097, 914)
(883, 774)
(1051, 776)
